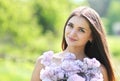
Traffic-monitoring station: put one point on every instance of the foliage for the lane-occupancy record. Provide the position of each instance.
(12, 71)
(113, 15)
(101, 6)
(30, 27)
(114, 45)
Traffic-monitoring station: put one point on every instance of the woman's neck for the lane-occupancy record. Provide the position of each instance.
(79, 52)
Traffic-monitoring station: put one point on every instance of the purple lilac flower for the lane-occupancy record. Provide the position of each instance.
(47, 57)
(70, 69)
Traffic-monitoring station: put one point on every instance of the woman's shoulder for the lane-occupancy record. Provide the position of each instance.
(104, 72)
(103, 69)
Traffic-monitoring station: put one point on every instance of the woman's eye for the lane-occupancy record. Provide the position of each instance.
(82, 30)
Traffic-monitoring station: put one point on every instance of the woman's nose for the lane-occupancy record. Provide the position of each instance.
(73, 33)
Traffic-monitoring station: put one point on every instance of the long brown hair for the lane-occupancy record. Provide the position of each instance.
(98, 48)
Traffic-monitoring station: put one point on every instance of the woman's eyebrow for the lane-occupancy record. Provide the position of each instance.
(71, 23)
(80, 27)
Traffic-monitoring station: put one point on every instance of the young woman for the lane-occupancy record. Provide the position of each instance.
(83, 36)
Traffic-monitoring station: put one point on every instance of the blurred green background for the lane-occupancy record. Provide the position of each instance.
(30, 27)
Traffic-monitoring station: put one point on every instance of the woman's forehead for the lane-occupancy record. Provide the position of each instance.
(79, 21)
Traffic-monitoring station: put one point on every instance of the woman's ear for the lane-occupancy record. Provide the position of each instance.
(91, 39)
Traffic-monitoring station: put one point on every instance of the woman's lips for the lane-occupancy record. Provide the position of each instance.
(72, 39)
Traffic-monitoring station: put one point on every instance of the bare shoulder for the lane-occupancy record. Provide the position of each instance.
(104, 72)
(37, 68)
(38, 60)
(38, 63)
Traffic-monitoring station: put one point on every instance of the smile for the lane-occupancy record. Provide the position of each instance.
(72, 39)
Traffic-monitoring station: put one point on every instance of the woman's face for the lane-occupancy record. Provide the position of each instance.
(77, 32)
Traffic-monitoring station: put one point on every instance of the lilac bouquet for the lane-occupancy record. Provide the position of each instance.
(70, 69)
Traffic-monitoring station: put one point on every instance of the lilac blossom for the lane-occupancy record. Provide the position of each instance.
(47, 57)
(75, 77)
(70, 69)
